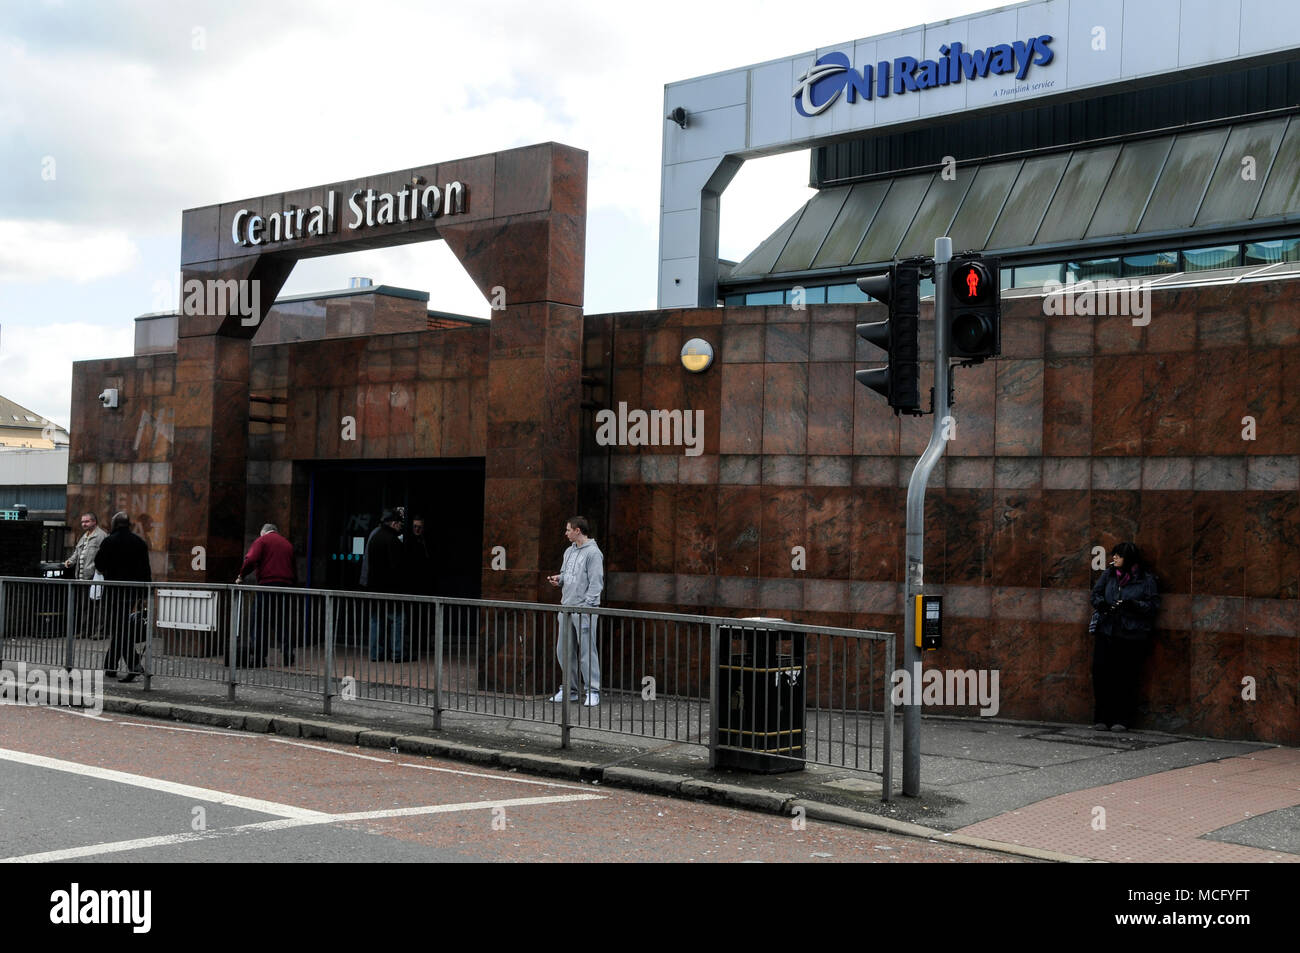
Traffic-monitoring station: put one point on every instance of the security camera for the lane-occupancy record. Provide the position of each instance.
(679, 116)
(109, 397)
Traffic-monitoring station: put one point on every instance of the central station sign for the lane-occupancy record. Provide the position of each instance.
(366, 208)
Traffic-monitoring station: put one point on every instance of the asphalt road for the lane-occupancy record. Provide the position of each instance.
(128, 789)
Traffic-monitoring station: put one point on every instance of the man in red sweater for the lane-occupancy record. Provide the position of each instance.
(271, 558)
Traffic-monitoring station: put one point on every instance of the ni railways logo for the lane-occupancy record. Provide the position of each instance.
(833, 74)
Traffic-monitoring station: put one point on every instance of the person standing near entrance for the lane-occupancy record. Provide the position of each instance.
(82, 564)
(122, 557)
(385, 571)
(582, 578)
(271, 559)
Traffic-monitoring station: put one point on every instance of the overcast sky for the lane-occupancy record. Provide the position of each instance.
(116, 116)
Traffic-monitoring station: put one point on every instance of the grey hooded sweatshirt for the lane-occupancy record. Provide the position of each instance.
(582, 575)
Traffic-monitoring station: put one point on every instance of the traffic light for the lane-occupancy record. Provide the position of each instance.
(899, 381)
(975, 308)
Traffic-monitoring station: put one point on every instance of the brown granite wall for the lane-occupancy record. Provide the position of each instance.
(1086, 431)
(121, 459)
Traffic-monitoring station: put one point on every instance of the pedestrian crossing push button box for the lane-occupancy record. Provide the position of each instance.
(760, 703)
(929, 622)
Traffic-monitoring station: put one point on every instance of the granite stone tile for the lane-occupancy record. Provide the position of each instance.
(970, 473)
(658, 468)
(1167, 473)
(1219, 473)
(1273, 473)
(1220, 399)
(785, 409)
(1169, 383)
(830, 471)
(1116, 473)
(1272, 551)
(740, 468)
(702, 469)
(1018, 408)
(742, 344)
(784, 470)
(786, 343)
(875, 471)
(1017, 538)
(742, 410)
(880, 598)
(1167, 536)
(1018, 473)
(1067, 473)
(1219, 546)
(1117, 416)
(740, 518)
(1067, 407)
(830, 409)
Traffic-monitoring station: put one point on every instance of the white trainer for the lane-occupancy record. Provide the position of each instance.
(592, 699)
(559, 696)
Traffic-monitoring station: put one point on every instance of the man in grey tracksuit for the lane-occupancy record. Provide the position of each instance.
(582, 576)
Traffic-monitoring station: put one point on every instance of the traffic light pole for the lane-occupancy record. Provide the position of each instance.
(916, 521)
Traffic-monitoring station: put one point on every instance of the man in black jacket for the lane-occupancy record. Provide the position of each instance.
(123, 557)
(385, 571)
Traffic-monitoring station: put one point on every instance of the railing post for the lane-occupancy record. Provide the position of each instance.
(69, 629)
(151, 621)
(714, 656)
(437, 664)
(328, 693)
(236, 620)
(566, 654)
(4, 631)
(887, 769)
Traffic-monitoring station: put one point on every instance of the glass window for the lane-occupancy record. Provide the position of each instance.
(1092, 270)
(1158, 263)
(845, 294)
(810, 295)
(925, 288)
(1269, 253)
(765, 297)
(734, 300)
(1032, 276)
(1203, 259)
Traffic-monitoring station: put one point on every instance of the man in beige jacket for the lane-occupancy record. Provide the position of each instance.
(82, 564)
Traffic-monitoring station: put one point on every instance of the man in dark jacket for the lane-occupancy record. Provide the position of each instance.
(386, 572)
(123, 557)
(1126, 601)
(271, 558)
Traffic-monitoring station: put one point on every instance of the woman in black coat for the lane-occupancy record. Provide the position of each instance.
(1125, 601)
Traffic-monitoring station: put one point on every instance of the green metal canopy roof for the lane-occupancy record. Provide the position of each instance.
(1245, 175)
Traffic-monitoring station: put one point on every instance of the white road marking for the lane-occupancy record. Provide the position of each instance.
(166, 787)
(495, 777)
(167, 840)
(350, 754)
(429, 767)
(197, 731)
(73, 711)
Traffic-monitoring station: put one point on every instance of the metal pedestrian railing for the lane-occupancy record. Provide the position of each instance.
(761, 694)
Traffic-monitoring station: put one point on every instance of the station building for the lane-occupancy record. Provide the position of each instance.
(1083, 140)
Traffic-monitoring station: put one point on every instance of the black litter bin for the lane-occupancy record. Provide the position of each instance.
(760, 704)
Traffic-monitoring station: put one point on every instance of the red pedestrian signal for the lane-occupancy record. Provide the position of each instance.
(975, 309)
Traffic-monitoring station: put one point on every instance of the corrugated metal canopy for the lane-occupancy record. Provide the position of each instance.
(1189, 182)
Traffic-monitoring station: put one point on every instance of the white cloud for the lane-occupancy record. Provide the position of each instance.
(41, 251)
(36, 362)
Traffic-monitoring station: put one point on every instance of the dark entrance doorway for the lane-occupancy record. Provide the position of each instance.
(347, 500)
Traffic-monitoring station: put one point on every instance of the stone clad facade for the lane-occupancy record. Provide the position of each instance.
(1086, 431)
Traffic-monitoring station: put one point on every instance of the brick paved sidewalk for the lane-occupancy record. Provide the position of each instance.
(1162, 817)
